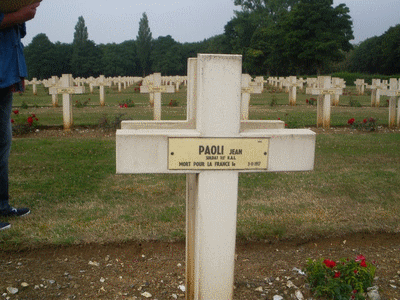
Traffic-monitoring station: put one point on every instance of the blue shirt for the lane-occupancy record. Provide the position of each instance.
(12, 61)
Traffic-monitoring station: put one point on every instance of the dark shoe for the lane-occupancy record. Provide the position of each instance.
(15, 212)
(4, 225)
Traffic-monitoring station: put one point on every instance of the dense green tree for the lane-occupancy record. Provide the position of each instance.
(216, 44)
(143, 44)
(81, 32)
(268, 9)
(40, 57)
(119, 59)
(252, 31)
(366, 56)
(167, 56)
(379, 54)
(86, 57)
(316, 34)
(390, 50)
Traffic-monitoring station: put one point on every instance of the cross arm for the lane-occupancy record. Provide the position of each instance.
(146, 150)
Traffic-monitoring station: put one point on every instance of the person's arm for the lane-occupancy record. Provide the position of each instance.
(19, 17)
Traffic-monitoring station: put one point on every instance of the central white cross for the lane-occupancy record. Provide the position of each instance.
(212, 147)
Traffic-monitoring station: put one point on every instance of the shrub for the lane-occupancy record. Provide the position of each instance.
(346, 279)
(274, 101)
(80, 104)
(354, 103)
(173, 103)
(106, 124)
(23, 124)
(311, 101)
(127, 103)
(367, 124)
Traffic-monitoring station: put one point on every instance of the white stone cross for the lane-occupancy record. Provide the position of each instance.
(119, 80)
(292, 84)
(66, 88)
(394, 93)
(247, 90)
(337, 83)
(360, 86)
(212, 148)
(376, 87)
(34, 82)
(49, 83)
(324, 91)
(102, 82)
(154, 88)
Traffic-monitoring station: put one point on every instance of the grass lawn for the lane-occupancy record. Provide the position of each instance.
(69, 182)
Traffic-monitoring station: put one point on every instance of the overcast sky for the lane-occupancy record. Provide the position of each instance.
(115, 21)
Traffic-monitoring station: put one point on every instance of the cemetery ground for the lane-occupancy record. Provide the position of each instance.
(93, 234)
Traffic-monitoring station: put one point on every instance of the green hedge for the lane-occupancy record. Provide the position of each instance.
(350, 78)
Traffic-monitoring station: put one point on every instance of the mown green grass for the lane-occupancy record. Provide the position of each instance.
(75, 196)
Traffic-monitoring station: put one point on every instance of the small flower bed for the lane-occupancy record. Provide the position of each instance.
(127, 103)
(367, 124)
(80, 104)
(311, 101)
(346, 279)
(173, 103)
(22, 124)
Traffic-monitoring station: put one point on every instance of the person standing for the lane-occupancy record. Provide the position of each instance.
(12, 73)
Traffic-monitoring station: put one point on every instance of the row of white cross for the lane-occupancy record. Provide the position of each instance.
(328, 89)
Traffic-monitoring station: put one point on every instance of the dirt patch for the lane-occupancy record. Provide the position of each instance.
(128, 270)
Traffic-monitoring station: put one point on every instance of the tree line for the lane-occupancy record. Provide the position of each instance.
(275, 37)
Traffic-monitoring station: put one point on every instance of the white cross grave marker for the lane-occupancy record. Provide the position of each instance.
(34, 82)
(360, 86)
(212, 149)
(155, 89)
(376, 88)
(324, 91)
(102, 82)
(394, 93)
(248, 89)
(337, 83)
(52, 82)
(292, 83)
(67, 88)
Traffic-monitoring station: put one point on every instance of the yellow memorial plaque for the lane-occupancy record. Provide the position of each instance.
(66, 90)
(218, 153)
(9, 6)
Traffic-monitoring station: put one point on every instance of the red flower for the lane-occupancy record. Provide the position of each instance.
(363, 264)
(360, 258)
(12, 121)
(365, 120)
(306, 100)
(355, 271)
(126, 105)
(33, 115)
(30, 120)
(16, 111)
(329, 263)
(351, 121)
(279, 118)
(337, 275)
